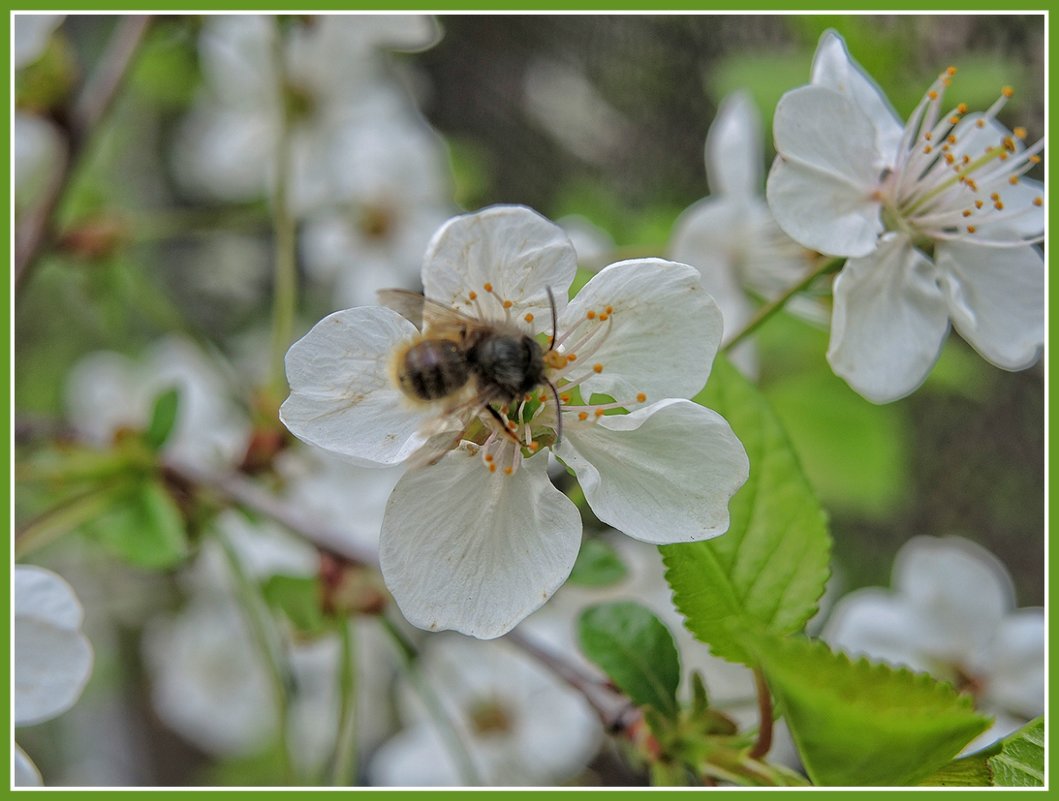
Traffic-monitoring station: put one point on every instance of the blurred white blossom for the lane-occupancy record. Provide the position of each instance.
(951, 612)
(52, 657)
(31, 35)
(108, 391)
(520, 725)
(227, 148)
(731, 236)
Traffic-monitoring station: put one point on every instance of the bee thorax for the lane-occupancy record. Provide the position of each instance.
(512, 364)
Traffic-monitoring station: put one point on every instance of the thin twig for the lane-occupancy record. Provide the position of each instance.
(246, 493)
(614, 709)
(764, 705)
(38, 227)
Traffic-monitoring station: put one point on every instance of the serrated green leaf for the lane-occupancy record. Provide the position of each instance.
(771, 567)
(597, 565)
(636, 650)
(1020, 762)
(857, 723)
(297, 597)
(972, 771)
(144, 527)
(163, 418)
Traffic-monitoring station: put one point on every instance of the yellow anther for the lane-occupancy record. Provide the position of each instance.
(966, 159)
(928, 149)
(564, 398)
(528, 318)
(978, 204)
(928, 136)
(507, 304)
(603, 317)
(949, 158)
(1008, 91)
(971, 229)
(600, 412)
(1038, 201)
(582, 416)
(1035, 159)
(511, 425)
(955, 118)
(961, 109)
(1009, 144)
(1003, 156)
(591, 315)
(609, 310)
(492, 467)
(1020, 133)
(971, 184)
(980, 122)
(998, 206)
(950, 71)
(508, 470)
(995, 196)
(933, 95)
(571, 357)
(947, 83)
(487, 287)
(951, 139)
(641, 396)
(534, 446)
(597, 367)
(473, 295)
(555, 360)
(489, 457)
(967, 212)
(1014, 179)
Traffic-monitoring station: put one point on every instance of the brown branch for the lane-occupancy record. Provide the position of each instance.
(764, 705)
(37, 230)
(615, 710)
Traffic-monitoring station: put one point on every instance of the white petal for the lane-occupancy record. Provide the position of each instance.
(820, 187)
(342, 396)
(880, 624)
(889, 321)
(996, 299)
(53, 659)
(734, 150)
(1013, 667)
(26, 773)
(414, 757)
(664, 330)
(31, 35)
(834, 68)
(474, 551)
(662, 474)
(960, 592)
(513, 248)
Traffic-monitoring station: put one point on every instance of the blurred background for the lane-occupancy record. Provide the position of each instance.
(167, 226)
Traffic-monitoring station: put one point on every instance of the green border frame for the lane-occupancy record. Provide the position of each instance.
(491, 6)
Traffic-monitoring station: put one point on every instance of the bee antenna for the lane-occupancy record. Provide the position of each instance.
(558, 412)
(555, 327)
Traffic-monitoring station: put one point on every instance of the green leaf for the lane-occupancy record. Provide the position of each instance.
(1020, 762)
(969, 771)
(857, 723)
(144, 527)
(771, 566)
(855, 453)
(636, 650)
(597, 565)
(297, 597)
(163, 418)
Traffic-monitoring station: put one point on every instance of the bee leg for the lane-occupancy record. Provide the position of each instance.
(501, 424)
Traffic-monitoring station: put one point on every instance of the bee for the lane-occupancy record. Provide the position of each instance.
(467, 363)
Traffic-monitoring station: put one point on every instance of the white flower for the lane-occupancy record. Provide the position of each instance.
(228, 146)
(731, 235)
(480, 539)
(52, 657)
(38, 154)
(32, 32)
(519, 724)
(108, 391)
(952, 613)
(390, 187)
(934, 216)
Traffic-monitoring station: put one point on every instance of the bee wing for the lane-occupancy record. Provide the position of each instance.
(425, 313)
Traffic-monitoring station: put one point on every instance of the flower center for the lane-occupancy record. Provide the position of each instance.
(490, 717)
(954, 174)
